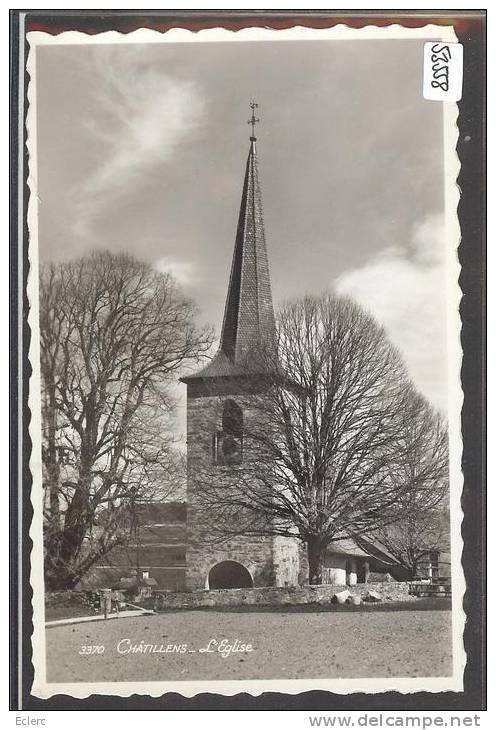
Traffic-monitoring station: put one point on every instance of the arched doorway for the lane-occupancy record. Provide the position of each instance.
(229, 574)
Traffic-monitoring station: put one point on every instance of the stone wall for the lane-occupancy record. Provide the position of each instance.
(321, 594)
(270, 561)
(286, 561)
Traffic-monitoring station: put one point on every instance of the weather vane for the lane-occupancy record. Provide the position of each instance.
(254, 120)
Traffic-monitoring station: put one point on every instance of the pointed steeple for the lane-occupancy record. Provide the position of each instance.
(249, 313)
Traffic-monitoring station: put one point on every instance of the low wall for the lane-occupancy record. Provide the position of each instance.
(321, 594)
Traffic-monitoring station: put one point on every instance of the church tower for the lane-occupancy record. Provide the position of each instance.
(218, 404)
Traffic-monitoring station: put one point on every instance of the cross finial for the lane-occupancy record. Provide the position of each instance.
(254, 120)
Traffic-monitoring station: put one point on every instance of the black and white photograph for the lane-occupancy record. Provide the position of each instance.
(245, 394)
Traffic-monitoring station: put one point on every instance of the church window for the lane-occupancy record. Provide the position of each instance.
(228, 442)
(232, 419)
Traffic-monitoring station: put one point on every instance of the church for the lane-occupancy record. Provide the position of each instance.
(220, 395)
(221, 388)
(173, 547)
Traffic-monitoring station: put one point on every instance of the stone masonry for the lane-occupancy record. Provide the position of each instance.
(270, 561)
(268, 596)
(233, 374)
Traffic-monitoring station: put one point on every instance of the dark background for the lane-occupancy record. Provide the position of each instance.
(470, 27)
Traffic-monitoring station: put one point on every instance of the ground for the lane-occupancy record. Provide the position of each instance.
(308, 642)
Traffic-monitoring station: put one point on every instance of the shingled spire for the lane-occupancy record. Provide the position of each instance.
(249, 313)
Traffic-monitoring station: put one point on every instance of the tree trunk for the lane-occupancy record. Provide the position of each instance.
(315, 552)
(412, 571)
(62, 552)
(63, 547)
(59, 575)
(63, 575)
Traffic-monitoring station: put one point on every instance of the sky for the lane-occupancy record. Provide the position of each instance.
(142, 148)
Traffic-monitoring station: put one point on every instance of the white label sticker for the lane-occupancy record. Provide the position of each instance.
(443, 71)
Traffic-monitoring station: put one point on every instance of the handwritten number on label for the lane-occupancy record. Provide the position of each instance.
(440, 70)
(443, 71)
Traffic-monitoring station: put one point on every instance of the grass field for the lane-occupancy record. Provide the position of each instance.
(285, 643)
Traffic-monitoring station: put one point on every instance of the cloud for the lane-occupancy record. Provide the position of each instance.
(138, 118)
(182, 271)
(404, 288)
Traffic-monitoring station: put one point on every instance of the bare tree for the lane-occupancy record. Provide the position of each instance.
(322, 434)
(424, 471)
(114, 334)
(412, 540)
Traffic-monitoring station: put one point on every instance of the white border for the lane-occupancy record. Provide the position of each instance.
(43, 689)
